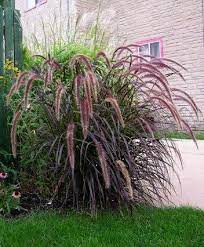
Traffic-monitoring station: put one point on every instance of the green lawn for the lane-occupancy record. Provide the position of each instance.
(181, 135)
(147, 227)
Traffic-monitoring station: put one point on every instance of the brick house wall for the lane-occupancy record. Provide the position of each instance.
(45, 22)
(178, 24)
(53, 15)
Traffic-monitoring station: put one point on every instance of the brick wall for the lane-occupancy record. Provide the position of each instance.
(180, 24)
(100, 12)
(47, 23)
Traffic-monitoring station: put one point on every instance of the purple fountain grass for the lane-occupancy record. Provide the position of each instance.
(16, 86)
(168, 105)
(103, 55)
(88, 93)
(52, 63)
(16, 118)
(78, 83)
(94, 84)
(100, 141)
(127, 178)
(70, 144)
(190, 99)
(120, 50)
(21, 80)
(188, 128)
(82, 59)
(144, 122)
(85, 115)
(58, 99)
(103, 162)
(48, 77)
(28, 87)
(110, 99)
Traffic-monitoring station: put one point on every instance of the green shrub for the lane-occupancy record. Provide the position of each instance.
(83, 130)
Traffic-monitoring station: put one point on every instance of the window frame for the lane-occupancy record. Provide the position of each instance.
(36, 5)
(150, 41)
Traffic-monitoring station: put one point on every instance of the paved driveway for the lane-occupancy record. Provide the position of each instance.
(191, 191)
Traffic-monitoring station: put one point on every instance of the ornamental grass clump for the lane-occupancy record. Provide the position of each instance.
(93, 142)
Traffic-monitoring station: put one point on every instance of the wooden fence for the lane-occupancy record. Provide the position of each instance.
(10, 34)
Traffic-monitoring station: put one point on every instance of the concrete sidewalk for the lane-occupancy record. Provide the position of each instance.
(191, 190)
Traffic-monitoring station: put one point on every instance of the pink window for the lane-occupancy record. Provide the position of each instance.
(151, 47)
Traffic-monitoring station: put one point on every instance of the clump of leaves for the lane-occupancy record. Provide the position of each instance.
(93, 145)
